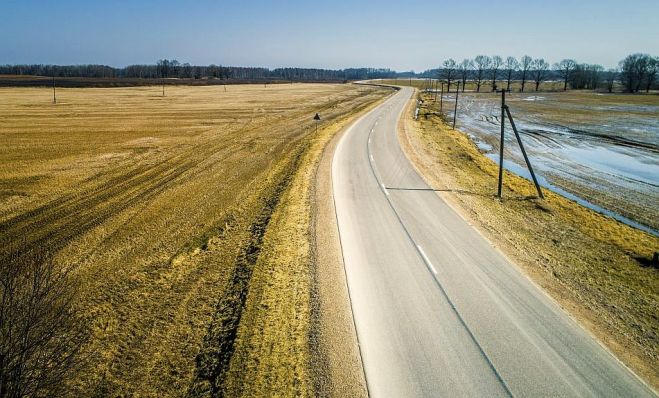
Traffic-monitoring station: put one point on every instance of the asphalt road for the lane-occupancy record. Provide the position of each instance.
(438, 310)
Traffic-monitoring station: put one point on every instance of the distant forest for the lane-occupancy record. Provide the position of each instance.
(170, 69)
(635, 73)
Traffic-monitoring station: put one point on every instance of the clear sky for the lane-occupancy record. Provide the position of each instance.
(402, 35)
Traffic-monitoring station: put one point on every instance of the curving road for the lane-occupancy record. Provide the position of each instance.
(438, 310)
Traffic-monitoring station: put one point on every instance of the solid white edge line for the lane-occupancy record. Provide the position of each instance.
(434, 271)
(372, 160)
(385, 189)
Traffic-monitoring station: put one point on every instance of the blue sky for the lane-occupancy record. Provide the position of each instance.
(402, 35)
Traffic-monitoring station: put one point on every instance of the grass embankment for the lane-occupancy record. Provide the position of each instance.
(273, 348)
(273, 344)
(591, 264)
(161, 205)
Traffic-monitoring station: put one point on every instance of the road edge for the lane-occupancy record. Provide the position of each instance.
(337, 364)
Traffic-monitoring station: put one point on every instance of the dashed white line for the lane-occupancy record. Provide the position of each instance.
(427, 260)
(372, 160)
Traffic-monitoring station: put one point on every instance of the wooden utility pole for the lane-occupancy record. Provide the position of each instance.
(455, 110)
(503, 121)
(54, 95)
(441, 99)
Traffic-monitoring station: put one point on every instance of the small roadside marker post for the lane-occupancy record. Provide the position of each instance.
(54, 96)
(317, 119)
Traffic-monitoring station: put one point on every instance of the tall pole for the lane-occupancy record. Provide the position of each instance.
(441, 99)
(455, 110)
(54, 96)
(503, 109)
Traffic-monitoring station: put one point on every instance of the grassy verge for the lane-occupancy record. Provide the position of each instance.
(261, 342)
(591, 264)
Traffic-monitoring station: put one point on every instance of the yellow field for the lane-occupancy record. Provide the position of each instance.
(161, 205)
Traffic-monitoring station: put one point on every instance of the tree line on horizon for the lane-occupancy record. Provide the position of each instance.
(173, 69)
(636, 72)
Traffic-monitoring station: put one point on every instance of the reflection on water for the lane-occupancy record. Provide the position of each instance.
(615, 157)
(523, 172)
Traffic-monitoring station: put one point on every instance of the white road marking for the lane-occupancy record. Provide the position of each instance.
(369, 140)
(372, 160)
(434, 271)
(385, 189)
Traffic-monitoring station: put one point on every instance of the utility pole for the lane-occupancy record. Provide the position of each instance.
(455, 110)
(441, 99)
(503, 120)
(54, 96)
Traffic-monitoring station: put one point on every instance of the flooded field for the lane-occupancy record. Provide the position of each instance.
(600, 150)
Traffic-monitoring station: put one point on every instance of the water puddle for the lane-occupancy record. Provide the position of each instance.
(524, 173)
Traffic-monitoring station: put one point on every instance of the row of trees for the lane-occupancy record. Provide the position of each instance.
(165, 68)
(635, 72)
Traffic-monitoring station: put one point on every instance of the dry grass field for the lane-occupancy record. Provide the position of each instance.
(161, 205)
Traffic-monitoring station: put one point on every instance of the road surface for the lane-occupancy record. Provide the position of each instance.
(438, 310)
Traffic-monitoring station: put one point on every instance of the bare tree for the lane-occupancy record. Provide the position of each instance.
(511, 66)
(525, 66)
(40, 331)
(539, 70)
(494, 69)
(449, 71)
(482, 63)
(634, 69)
(464, 69)
(565, 68)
